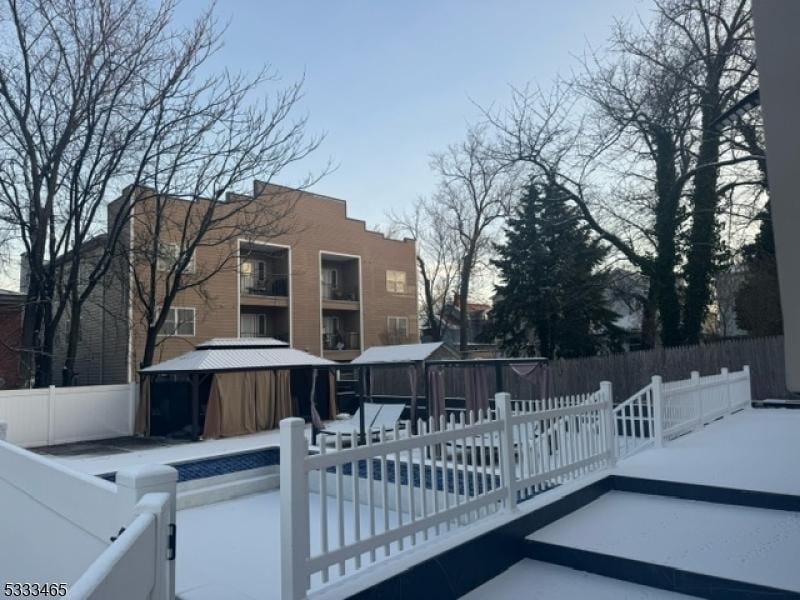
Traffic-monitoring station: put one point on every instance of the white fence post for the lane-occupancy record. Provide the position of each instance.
(295, 535)
(607, 392)
(3, 431)
(51, 415)
(135, 482)
(502, 402)
(656, 384)
(727, 386)
(698, 397)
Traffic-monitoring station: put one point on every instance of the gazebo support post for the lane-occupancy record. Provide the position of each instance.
(362, 438)
(195, 379)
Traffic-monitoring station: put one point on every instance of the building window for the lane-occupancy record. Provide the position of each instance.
(168, 254)
(397, 328)
(179, 321)
(396, 282)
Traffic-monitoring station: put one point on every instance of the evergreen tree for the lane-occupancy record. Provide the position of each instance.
(552, 300)
(758, 303)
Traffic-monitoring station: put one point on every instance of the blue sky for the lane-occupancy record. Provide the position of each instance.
(391, 82)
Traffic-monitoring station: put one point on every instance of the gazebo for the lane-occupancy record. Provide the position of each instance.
(233, 386)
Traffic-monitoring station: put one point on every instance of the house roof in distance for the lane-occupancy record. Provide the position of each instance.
(398, 353)
(238, 354)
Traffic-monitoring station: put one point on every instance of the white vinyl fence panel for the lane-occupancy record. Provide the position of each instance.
(663, 411)
(402, 489)
(64, 522)
(53, 415)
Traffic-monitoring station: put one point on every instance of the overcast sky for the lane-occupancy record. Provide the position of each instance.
(389, 82)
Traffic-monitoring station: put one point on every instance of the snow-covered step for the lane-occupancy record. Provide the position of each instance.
(535, 580)
(734, 543)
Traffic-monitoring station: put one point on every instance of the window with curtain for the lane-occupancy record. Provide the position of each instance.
(396, 282)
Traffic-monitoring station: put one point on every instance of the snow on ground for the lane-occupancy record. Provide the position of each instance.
(534, 580)
(754, 449)
(232, 549)
(734, 542)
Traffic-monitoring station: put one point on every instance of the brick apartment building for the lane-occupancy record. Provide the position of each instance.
(328, 286)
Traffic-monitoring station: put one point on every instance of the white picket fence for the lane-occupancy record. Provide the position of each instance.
(396, 492)
(60, 415)
(58, 526)
(662, 411)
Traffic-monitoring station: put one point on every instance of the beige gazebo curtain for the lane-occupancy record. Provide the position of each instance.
(246, 402)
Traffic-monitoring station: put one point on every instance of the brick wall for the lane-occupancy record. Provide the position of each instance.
(11, 328)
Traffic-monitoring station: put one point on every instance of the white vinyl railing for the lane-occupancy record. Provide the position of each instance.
(662, 411)
(691, 403)
(132, 567)
(65, 526)
(401, 489)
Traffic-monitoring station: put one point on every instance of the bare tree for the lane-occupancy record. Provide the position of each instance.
(629, 142)
(438, 260)
(717, 39)
(100, 94)
(474, 195)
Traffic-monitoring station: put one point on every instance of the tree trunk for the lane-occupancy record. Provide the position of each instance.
(149, 351)
(703, 235)
(73, 336)
(463, 295)
(29, 336)
(649, 327)
(44, 359)
(434, 325)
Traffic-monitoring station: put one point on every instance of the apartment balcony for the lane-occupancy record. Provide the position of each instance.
(270, 289)
(339, 282)
(341, 346)
(264, 321)
(340, 298)
(248, 333)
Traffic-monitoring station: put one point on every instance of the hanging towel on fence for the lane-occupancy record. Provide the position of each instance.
(536, 373)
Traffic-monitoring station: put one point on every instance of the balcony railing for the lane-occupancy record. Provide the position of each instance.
(271, 284)
(249, 333)
(330, 292)
(341, 341)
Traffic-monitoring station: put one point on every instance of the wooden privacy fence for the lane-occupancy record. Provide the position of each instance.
(628, 372)
(631, 371)
(397, 491)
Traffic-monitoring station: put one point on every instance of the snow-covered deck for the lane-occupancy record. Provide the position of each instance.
(534, 580)
(751, 450)
(232, 549)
